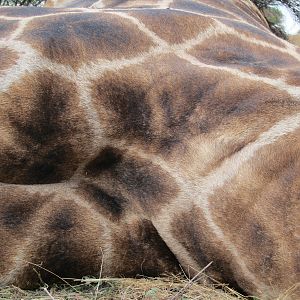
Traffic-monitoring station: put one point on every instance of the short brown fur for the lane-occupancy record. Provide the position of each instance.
(138, 136)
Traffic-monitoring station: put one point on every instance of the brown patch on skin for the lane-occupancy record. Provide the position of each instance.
(125, 110)
(165, 101)
(257, 248)
(18, 210)
(145, 183)
(103, 194)
(17, 214)
(8, 58)
(220, 7)
(67, 241)
(189, 229)
(139, 250)
(252, 16)
(126, 101)
(252, 11)
(109, 204)
(79, 38)
(264, 35)
(235, 111)
(63, 220)
(293, 77)
(107, 159)
(259, 208)
(201, 8)
(7, 27)
(173, 26)
(230, 51)
(48, 126)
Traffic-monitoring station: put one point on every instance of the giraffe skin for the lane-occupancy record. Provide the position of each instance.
(138, 137)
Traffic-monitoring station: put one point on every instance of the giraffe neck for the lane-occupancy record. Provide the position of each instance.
(149, 136)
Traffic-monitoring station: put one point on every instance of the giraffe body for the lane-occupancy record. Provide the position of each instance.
(148, 135)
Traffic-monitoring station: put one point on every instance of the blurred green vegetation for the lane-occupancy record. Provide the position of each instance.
(294, 5)
(21, 2)
(273, 15)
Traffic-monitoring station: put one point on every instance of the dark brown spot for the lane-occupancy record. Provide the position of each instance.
(140, 180)
(45, 170)
(107, 158)
(16, 214)
(141, 251)
(60, 258)
(41, 128)
(112, 206)
(113, 170)
(177, 118)
(18, 208)
(62, 220)
(67, 242)
(45, 120)
(130, 108)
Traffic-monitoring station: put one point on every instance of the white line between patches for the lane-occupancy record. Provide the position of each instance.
(141, 26)
(277, 83)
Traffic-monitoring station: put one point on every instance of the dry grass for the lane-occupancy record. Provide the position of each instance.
(168, 288)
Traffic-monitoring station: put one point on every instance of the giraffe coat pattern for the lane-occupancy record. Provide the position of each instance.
(149, 135)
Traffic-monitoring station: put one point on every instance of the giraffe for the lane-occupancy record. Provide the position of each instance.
(142, 137)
